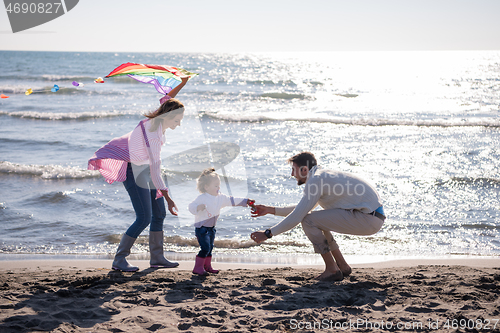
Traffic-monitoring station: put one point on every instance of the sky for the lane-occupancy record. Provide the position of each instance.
(263, 26)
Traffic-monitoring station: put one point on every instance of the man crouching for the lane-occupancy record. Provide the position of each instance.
(350, 205)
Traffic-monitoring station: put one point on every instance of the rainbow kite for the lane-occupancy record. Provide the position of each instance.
(164, 78)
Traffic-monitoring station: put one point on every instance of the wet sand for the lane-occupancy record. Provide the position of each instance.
(406, 295)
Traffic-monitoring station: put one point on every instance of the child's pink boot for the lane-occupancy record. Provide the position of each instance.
(198, 266)
(208, 265)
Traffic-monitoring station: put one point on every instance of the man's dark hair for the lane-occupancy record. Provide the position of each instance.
(304, 159)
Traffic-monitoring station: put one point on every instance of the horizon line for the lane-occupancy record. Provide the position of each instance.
(301, 51)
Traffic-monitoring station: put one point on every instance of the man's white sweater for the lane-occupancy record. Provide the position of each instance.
(331, 190)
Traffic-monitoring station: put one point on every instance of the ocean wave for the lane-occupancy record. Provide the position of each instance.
(69, 90)
(256, 82)
(347, 95)
(355, 120)
(282, 95)
(65, 116)
(47, 171)
(28, 141)
(55, 77)
(90, 79)
(219, 243)
(478, 181)
(85, 79)
(280, 83)
(53, 197)
(11, 89)
(49, 77)
(481, 226)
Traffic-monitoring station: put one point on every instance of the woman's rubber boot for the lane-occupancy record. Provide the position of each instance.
(120, 263)
(198, 266)
(208, 265)
(157, 259)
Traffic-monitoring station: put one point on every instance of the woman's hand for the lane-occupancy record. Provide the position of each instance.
(261, 210)
(172, 208)
(174, 91)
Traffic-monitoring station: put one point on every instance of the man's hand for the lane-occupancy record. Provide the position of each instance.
(258, 236)
(251, 204)
(261, 210)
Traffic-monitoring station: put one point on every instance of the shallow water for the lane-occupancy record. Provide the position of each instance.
(422, 126)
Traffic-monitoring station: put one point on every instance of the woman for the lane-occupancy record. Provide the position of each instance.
(134, 159)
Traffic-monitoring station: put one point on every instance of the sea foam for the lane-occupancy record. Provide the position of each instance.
(65, 116)
(47, 171)
(365, 121)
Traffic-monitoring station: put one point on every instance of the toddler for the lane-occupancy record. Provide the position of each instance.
(206, 208)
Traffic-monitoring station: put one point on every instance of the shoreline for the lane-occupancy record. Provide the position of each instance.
(47, 262)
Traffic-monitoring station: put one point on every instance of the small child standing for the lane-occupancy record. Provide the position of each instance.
(206, 208)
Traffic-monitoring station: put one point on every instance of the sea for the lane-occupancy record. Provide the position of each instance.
(423, 127)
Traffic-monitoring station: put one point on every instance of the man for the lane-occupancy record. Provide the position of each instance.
(350, 206)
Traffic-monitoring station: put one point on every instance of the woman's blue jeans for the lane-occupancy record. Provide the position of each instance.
(206, 237)
(147, 208)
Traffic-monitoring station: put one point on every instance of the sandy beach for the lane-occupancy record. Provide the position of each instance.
(408, 295)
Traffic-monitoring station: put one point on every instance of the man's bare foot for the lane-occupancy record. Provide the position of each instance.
(346, 270)
(329, 276)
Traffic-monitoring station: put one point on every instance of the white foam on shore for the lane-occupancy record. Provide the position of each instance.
(238, 117)
(41, 261)
(47, 171)
(65, 116)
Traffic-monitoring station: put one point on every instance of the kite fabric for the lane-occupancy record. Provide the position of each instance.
(164, 78)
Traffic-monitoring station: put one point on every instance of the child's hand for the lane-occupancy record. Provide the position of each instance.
(200, 207)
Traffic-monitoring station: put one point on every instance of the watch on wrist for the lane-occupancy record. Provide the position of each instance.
(268, 233)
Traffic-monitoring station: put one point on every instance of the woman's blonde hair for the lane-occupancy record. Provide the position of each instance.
(169, 109)
(206, 177)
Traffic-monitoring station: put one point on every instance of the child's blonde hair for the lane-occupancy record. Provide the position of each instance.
(206, 177)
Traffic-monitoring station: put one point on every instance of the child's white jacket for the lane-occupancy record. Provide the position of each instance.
(208, 216)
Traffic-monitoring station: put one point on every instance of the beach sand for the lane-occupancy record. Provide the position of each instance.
(406, 295)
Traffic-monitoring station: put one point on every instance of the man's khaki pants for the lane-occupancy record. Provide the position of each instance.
(318, 224)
